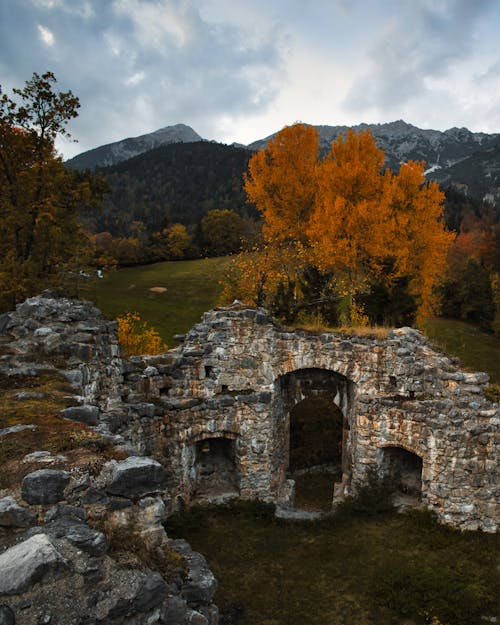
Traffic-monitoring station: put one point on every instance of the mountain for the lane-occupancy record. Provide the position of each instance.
(403, 142)
(469, 161)
(113, 153)
(478, 175)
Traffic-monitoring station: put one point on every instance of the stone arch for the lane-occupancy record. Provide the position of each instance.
(296, 386)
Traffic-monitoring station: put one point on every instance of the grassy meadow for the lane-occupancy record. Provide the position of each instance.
(351, 569)
(194, 286)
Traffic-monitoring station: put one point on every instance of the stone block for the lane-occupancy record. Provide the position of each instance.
(44, 486)
(14, 515)
(29, 562)
(135, 477)
(83, 414)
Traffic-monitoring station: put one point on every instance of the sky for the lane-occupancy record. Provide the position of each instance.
(239, 70)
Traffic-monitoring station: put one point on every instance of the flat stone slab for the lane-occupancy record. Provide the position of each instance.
(294, 514)
(44, 486)
(13, 429)
(83, 414)
(29, 562)
(135, 476)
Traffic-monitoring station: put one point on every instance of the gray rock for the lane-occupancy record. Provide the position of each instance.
(174, 612)
(44, 486)
(13, 429)
(152, 591)
(14, 515)
(83, 414)
(31, 561)
(26, 395)
(4, 322)
(195, 618)
(82, 536)
(63, 511)
(200, 584)
(6, 616)
(149, 593)
(136, 476)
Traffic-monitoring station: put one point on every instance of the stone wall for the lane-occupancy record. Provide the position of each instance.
(235, 378)
(237, 375)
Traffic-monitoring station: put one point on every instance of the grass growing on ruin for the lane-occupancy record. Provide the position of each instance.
(48, 431)
(192, 288)
(347, 570)
(477, 350)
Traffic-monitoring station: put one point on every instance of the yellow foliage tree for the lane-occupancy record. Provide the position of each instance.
(281, 182)
(136, 337)
(345, 215)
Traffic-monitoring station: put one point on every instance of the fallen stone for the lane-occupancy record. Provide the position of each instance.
(6, 616)
(149, 593)
(174, 612)
(81, 536)
(136, 476)
(63, 511)
(44, 486)
(82, 414)
(200, 584)
(14, 515)
(31, 561)
(13, 429)
(44, 457)
(26, 395)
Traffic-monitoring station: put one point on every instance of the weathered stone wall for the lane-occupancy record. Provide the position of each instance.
(237, 376)
(226, 380)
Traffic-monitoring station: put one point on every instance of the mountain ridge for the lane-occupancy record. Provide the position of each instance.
(443, 151)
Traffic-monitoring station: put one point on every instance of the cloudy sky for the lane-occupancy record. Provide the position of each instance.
(238, 70)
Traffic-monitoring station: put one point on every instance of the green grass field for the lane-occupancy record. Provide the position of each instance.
(477, 350)
(194, 286)
(384, 569)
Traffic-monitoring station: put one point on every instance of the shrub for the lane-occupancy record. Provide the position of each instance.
(136, 337)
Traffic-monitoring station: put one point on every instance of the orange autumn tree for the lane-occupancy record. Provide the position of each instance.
(350, 227)
(347, 217)
(281, 182)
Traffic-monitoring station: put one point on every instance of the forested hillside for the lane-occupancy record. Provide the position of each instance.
(175, 183)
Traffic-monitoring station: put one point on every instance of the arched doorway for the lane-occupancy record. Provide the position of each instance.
(312, 416)
(402, 472)
(316, 429)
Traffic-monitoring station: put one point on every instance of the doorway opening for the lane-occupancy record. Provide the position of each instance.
(402, 471)
(215, 473)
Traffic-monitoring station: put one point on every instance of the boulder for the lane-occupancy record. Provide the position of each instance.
(31, 561)
(44, 486)
(200, 584)
(82, 414)
(14, 515)
(174, 612)
(80, 535)
(6, 616)
(135, 477)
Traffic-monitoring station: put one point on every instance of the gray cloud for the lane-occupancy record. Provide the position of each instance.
(137, 65)
(423, 41)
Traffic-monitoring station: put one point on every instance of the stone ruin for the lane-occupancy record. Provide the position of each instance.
(217, 412)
